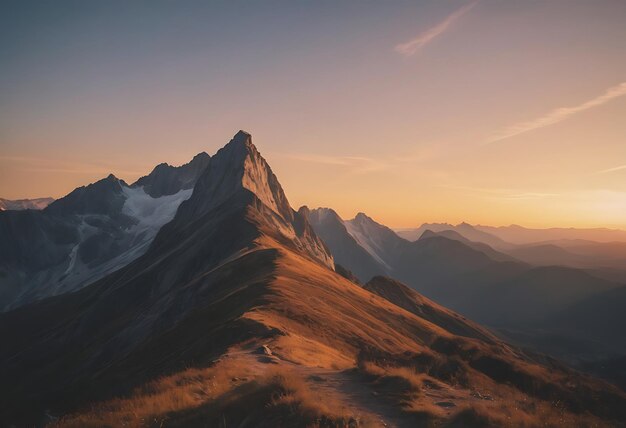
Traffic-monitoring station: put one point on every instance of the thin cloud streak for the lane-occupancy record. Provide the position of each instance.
(501, 193)
(530, 195)
(615, 169)
(354, 164)
(559, 114)
(363, 164)
(412, 46)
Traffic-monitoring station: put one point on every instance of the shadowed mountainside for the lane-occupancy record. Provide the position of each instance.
(529, 304)
(94, 230)
(345, 249)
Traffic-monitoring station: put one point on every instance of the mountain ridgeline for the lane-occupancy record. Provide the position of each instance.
(24, 204)
(529, 303)
(233, 313)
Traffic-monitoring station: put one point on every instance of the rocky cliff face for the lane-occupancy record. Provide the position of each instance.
(239, 175)
(168, 180)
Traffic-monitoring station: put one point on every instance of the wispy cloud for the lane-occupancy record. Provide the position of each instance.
(412, 46)
(614, 169)
(501, 193)
(559, 114)
(364, 165)
(529, 195)
(355, 164)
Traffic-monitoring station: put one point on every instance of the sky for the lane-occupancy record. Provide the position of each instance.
(485, 111)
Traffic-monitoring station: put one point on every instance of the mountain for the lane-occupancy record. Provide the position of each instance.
(480, 246)
(380, 241)
(466, 230)
(25, 204)
(344, 247)
(540, 247)
(414, 233)
(368, 249)
(477, 280)
(546, 255)
(573, 253)
(234, 316)
(423, 263)
(533, 296)
(87, 234)
(599, 316)
(168, 180)
(518, 299)
(407, 298)
(587, 334)
(522, 235)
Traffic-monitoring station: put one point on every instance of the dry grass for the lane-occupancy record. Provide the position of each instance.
(327, 322)
(409, 379)
(402, 387)
(149, 404)
(505, 415)
(507, 406)
(224, 395)
(311, 408)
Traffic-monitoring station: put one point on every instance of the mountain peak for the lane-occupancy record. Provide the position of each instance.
(362, 217)
(105, 196)
(240, 165)
(427, 234)
(238, 177)
(200, 157)
(243, 136)
(243, 140)
(321, 214)
(166, 179)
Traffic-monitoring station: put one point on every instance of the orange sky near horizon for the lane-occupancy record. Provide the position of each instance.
(488, 112)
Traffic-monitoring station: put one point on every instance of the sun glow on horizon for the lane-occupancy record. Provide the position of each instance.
(426, 112)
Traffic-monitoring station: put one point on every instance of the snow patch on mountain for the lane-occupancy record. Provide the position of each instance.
(72, 257)
(151, 213)
(364, 241)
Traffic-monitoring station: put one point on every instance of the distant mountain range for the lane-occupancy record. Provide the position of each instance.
(544, 247)
(503, 236)
(211, 302)
(464, 229)
(25, 204)
(515, 289)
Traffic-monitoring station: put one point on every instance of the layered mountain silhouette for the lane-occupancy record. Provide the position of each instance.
(346, 250)
(24, 204)
(235, 316)
(528, 302)
(466, 230)
(604, 257)
(92, 231)
(523, 235)
(573, 253)
(504, 237)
